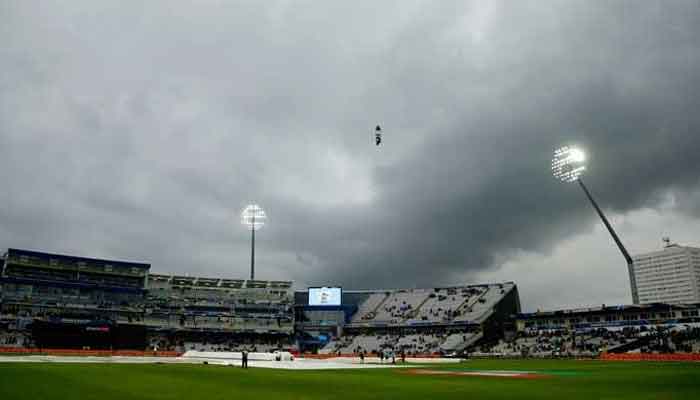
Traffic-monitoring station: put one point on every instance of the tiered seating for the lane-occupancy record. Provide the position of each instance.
(419, 344)
(337, 345)
(234, 345)
(441, 305)
(13, 339)
(219, 304)
(367, 343)
(411, 343)
(366, 309)
(479, 307)
(458, 341)
(564, 342)
(419, 321)
(400, 305)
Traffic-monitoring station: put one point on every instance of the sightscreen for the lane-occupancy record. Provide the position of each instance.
(325, 296)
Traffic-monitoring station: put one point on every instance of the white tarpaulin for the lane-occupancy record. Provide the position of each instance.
(237, 355)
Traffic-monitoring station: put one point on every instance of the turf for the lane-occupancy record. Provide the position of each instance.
(568, 380)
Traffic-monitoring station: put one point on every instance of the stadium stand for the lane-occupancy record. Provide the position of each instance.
(400, 305)
(368, 308)
(14, 339)
(54, 301)
(210, 303)
(652, 328)
(411, 341)
(410, 306)
(58, 301)
(443, 304)
(426, 321)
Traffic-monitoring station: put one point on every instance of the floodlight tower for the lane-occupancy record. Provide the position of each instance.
(568, 165)
(254, 218)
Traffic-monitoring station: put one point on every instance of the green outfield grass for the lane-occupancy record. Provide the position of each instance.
(568, 380)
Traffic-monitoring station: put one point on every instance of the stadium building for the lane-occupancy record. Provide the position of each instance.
(213, 314)
(414, 321)
(590, 331)
(671, 275)
(59, 301)
(71, 301)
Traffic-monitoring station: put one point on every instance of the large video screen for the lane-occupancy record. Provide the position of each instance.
(325, 296)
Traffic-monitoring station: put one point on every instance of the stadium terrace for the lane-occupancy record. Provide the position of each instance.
(52, 301)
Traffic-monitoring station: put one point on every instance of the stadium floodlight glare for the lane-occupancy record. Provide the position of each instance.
(253, 217)
(568, 165)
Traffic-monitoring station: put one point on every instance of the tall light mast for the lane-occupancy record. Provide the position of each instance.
(253, 217)
(568, 165)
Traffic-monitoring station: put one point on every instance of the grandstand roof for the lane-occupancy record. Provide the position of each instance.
(219, 283)
(369, 291)
(605, 309)
(109, 288)
(11, 253)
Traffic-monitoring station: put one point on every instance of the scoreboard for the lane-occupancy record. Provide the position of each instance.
(325, 296)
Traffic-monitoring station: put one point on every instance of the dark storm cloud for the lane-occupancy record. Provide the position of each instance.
(140, 132)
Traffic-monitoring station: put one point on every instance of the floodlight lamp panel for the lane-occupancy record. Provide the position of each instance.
(568, 163)
(577, 155)
(253, 216)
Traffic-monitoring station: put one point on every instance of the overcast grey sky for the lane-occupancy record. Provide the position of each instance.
(139, 130)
